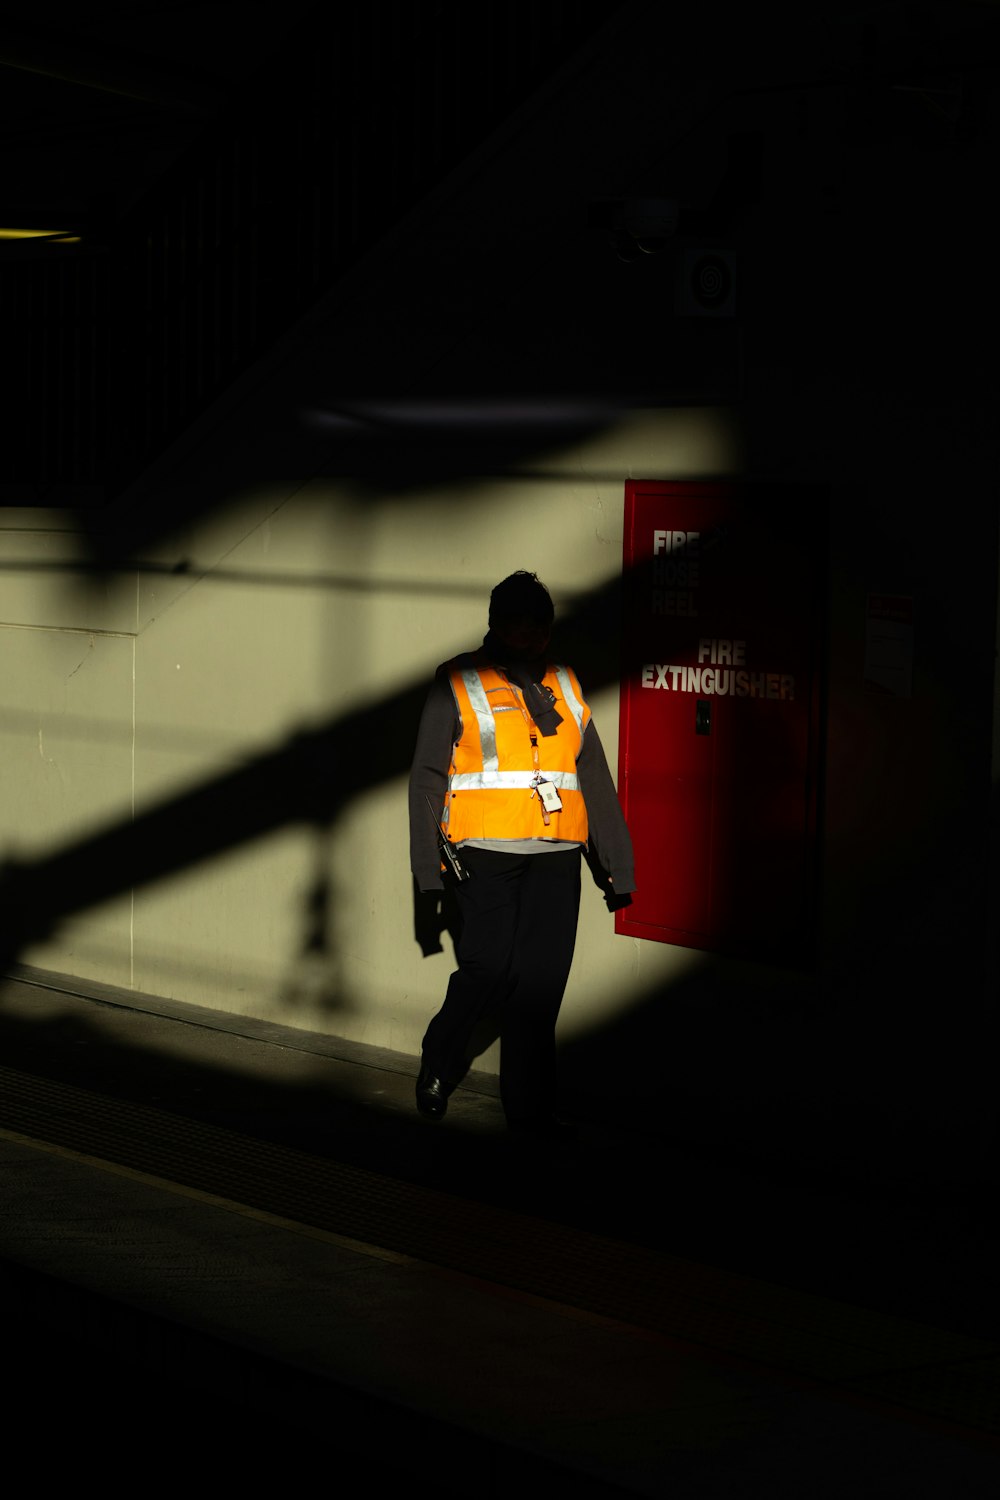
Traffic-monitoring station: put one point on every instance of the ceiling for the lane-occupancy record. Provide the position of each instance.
(96, 101)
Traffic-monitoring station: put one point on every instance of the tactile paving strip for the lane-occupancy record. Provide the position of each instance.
(899, 1360)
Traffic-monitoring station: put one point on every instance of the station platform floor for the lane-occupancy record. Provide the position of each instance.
(233, 1250)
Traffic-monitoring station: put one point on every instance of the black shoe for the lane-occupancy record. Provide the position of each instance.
(432, 1096)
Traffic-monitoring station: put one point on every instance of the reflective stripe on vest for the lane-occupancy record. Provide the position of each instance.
(475, 780)
(570, 699)
(484, 718)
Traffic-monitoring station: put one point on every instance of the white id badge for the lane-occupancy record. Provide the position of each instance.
(551, 800)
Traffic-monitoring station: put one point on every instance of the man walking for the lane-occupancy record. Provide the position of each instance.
(510, 775)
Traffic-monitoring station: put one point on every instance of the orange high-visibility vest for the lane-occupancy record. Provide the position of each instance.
(500, 753)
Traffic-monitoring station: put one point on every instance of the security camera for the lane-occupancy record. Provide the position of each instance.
(651, 222)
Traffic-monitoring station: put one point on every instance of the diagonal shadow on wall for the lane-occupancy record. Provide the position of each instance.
(309, 779)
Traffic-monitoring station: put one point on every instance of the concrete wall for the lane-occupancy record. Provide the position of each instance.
(290, 610)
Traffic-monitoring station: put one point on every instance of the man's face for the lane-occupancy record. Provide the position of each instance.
(527, 635)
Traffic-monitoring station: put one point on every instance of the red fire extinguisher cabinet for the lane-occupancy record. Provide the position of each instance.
(721, 694)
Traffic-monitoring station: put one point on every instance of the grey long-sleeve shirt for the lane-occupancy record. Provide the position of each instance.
(440, 728)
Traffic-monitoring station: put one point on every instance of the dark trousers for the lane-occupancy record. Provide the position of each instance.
(515, 948)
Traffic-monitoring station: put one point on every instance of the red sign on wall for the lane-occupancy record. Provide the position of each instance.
(720, 698)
